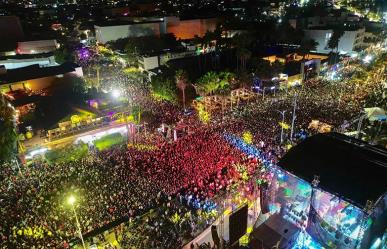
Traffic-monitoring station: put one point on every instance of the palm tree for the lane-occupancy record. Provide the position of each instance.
(181, 83)
(224, 93)
(306, 46)
(243, 54)
(211, 82)
(206, 85)
(333, 42)
(242, 43)
(97, 68)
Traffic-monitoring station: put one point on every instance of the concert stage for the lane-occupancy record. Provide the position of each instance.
(331, 189)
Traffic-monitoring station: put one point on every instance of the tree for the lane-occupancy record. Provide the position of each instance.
(61, 55)
(213, 82)
(333, 42)
(207, 84)
(242, 42)
(306, 46)
(277, 67)
(224, 92)
(70, 89)
(8, 146)
(181, 83)
(148, 44)
(287, 34)
(163, 89)
(262, 68)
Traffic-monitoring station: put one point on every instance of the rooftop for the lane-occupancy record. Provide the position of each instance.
(347, 167)
(35, 72)
(123, 23)
(26, 56)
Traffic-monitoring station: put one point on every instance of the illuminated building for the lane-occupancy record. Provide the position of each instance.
(34, 77)
(138, 27)
(349, 42)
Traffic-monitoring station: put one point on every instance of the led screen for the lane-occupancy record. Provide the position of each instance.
(289, 196)
(334, 221)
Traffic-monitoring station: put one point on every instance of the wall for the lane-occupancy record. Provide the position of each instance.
(164, 58)
(187, 29)
(347, 42)
(17, 63)
(36, 47)
(321, 37)
(149, 63)
(36, 84)
(182, 29)
(105, 34)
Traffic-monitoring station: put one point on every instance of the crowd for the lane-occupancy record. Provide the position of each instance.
(172, 179)
(128, 182)
(110, 185)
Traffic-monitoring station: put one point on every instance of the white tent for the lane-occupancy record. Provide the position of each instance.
(375, 114)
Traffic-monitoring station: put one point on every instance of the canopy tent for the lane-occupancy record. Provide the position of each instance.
(375, 114)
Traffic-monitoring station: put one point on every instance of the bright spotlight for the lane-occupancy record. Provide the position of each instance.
(367, 59)
(71, 200)
(116, 93)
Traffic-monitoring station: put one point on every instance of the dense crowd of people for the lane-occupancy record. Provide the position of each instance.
(171, 178)
(110, 185)
(127, 182)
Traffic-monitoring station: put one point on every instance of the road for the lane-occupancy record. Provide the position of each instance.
(37, 142)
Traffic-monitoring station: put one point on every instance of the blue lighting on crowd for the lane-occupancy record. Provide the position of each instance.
(246, 148)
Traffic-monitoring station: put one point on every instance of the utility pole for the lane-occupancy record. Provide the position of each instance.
(283, 122)
(294, 115)
(126, 125)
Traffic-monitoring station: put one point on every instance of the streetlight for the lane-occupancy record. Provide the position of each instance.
(71, 200)
(116, 94)
(283, 122)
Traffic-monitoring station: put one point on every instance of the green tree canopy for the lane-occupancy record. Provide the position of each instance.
(8, 146)
(333, 42)
(263, 69)
(70, 89)
(306, 46)
(163, 89)
(214, 83)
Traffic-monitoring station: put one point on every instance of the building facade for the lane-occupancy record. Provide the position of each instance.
(351, 40)
(182, 29)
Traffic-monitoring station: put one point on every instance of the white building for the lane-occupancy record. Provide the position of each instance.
(137, 27)
(149, 62)
(114, 31)
(18, 63)
(349, 42)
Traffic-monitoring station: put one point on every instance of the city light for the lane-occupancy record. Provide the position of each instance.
(71, 200)
(116, 93)
(151, 138)
(367, 59)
